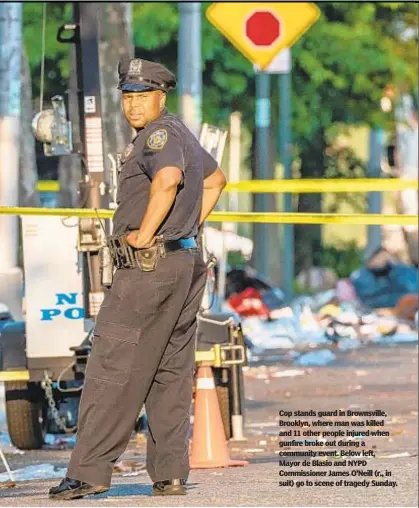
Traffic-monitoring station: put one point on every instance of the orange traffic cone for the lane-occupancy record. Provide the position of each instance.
(209, 444)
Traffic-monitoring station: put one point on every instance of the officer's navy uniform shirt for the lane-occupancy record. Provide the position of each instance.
(164, 142)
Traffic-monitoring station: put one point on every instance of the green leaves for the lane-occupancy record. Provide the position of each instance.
(57, 14)
(340, 66)
(154, 24)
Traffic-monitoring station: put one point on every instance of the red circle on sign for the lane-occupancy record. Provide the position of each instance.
(263, 28)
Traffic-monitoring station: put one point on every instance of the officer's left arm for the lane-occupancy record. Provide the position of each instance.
(164, 164)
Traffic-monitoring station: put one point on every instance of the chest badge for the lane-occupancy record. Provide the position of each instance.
(157, 140)
(127, 152)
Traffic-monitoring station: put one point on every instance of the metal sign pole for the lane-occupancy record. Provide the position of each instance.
(376, 149)
(189, 65)
(262, 169)
(284, 131)
(94, 185)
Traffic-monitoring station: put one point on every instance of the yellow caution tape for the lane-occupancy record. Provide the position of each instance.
(306, 186)
(315, 218)
(52, 212)
(14, 375)
(48, 186)
(211, 357)
(251, 217)
(301, 186)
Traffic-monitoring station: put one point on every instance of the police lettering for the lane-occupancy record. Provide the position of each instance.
(74, 312)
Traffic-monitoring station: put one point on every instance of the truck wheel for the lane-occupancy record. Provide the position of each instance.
(224, 403)
(26, 414)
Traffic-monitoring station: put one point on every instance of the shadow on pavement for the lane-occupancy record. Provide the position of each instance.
(263, 460)
(127, 490)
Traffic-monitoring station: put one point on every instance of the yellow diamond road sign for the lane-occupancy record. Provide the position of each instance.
(261, 30)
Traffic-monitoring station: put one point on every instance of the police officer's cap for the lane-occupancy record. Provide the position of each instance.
(138, 75)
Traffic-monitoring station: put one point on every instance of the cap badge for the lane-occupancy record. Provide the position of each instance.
(135, 67)
(157, 140)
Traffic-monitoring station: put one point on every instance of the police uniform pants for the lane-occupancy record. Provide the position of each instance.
(143, 352)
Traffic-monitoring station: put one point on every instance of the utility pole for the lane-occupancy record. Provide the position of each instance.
(189, 66)
(262, 170)
(10, 95)
(91, 125)
(376, 150)
(284, 143)
(95, 179)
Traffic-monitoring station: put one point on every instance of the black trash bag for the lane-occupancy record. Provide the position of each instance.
(239, 279)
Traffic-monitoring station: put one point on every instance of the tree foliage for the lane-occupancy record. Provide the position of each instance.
(57, 67)
(346, 60)
(340, 67)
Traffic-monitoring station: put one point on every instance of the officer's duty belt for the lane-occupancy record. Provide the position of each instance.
(125, 256)
(183, 243)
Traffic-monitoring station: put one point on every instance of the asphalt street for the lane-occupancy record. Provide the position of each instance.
(380, 377)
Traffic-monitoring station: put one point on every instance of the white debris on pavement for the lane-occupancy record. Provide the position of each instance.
(328, 319)
(299, 329)
(7, 446)
(394, 455)
(261, 424)
(289, 373)
(36, 472)
(265, 373)
(282, 333)
(264, 335)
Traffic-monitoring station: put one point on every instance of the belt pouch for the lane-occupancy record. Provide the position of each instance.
(147, 258)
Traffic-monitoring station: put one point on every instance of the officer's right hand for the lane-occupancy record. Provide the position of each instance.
(139, 242)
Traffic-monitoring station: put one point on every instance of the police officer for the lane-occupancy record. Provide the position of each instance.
(144, 339)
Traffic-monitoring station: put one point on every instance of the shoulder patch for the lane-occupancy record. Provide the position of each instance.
(157, 140)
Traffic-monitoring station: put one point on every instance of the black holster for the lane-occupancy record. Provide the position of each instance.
(125, 256)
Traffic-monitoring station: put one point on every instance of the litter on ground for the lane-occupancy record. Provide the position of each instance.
(320, 357)
(35, 472)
